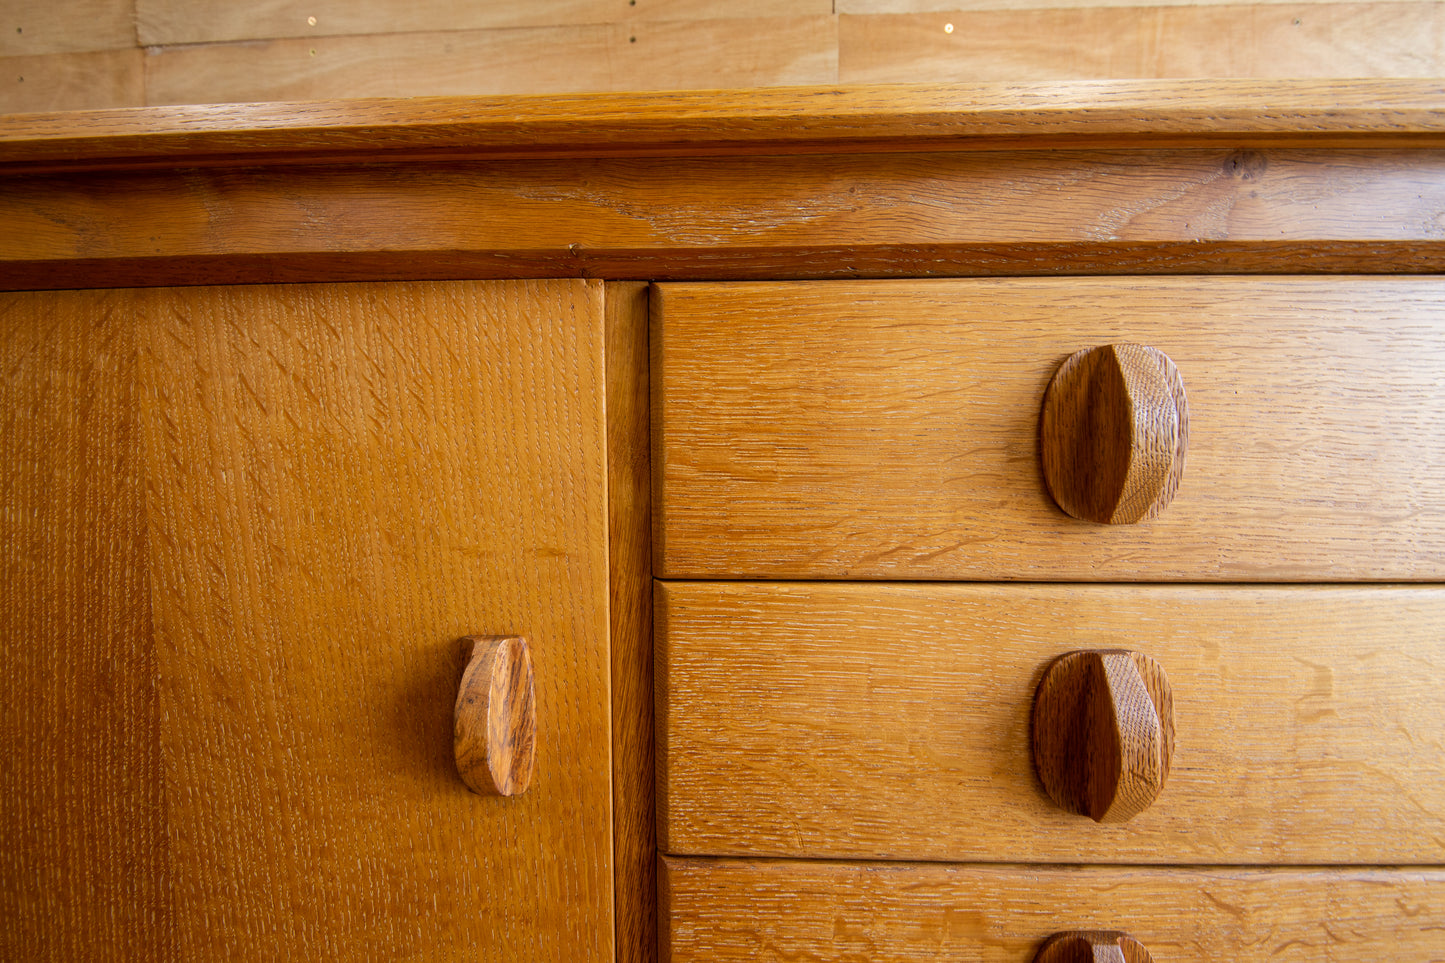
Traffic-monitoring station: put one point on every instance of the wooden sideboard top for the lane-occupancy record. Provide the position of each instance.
(966, 180)
(790, 119)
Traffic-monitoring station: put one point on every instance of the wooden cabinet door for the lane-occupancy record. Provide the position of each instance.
(244, 529)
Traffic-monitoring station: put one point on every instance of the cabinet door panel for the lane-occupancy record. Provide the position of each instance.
(83, 872)
(344, 480)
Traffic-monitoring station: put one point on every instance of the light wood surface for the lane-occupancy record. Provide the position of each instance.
(495, 721)
(66, 26)
(915, 117)
(1057, 42)
(343, 480)
(85, 869)
(72, 81)
(706, 53)
(198, 52)
(1114, 433)
(630, 559)
(889, 429)
(892, 721)
(956, 6)
(244, 531)
(723, 910)
(1102, 732)
(196, 21)
(1118, 212)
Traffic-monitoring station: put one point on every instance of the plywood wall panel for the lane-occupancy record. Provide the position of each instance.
(200, 21)
(72, 81)
(1095, 43)
(28, 28)
(954, 6)
(673, 55)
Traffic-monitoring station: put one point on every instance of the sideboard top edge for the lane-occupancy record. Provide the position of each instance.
(790, 119)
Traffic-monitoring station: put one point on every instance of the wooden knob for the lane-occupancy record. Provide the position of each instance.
(1103, 733)
(1092, 946)
(495, 733)
(1113, 434)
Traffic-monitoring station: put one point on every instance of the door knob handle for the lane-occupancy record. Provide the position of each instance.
(1092, 946)
(1103, 733)
(1113, 433)
(494, 735)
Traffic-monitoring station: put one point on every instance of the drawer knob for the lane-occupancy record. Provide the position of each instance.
(1103, 733)
(495, 732)
(1113, 433)
(1092, 946)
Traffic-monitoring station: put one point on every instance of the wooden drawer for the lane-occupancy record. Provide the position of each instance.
(889, 429)
(857, 720)
(719, 910)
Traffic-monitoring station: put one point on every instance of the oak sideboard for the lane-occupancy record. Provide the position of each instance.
(730, 405)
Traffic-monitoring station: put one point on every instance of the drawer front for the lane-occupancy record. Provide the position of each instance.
(719, 910)
(890, 429)
(885, 721)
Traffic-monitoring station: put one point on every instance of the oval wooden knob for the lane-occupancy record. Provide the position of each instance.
(1092, 946)
(1103, 733)
(495, 732)
(1113, 434)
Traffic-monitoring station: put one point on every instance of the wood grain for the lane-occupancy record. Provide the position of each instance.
(722, 910)
(955, 6)
(1114, 433)
(495, 730)
(889, 429)
(194, 21)
(599, 57)
(1102, 732)
(85, 870)
(1300, 40)
(72, 81)
(67, 26)
(892, 721)
(322, 533)
(917, 117)
(844, 215)
(634, 829)
(1092, 946)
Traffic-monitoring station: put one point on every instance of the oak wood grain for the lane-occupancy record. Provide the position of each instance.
(1114, 433)
(917, 117)
(723, 910)
(892, 721)
(85, 869)
(888, 429)
(189, 21)
(1050, 42)
(844, 216)
(1092, 946)
(634, 828)
(707, 54)
(342, 481)
(1102, 732)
